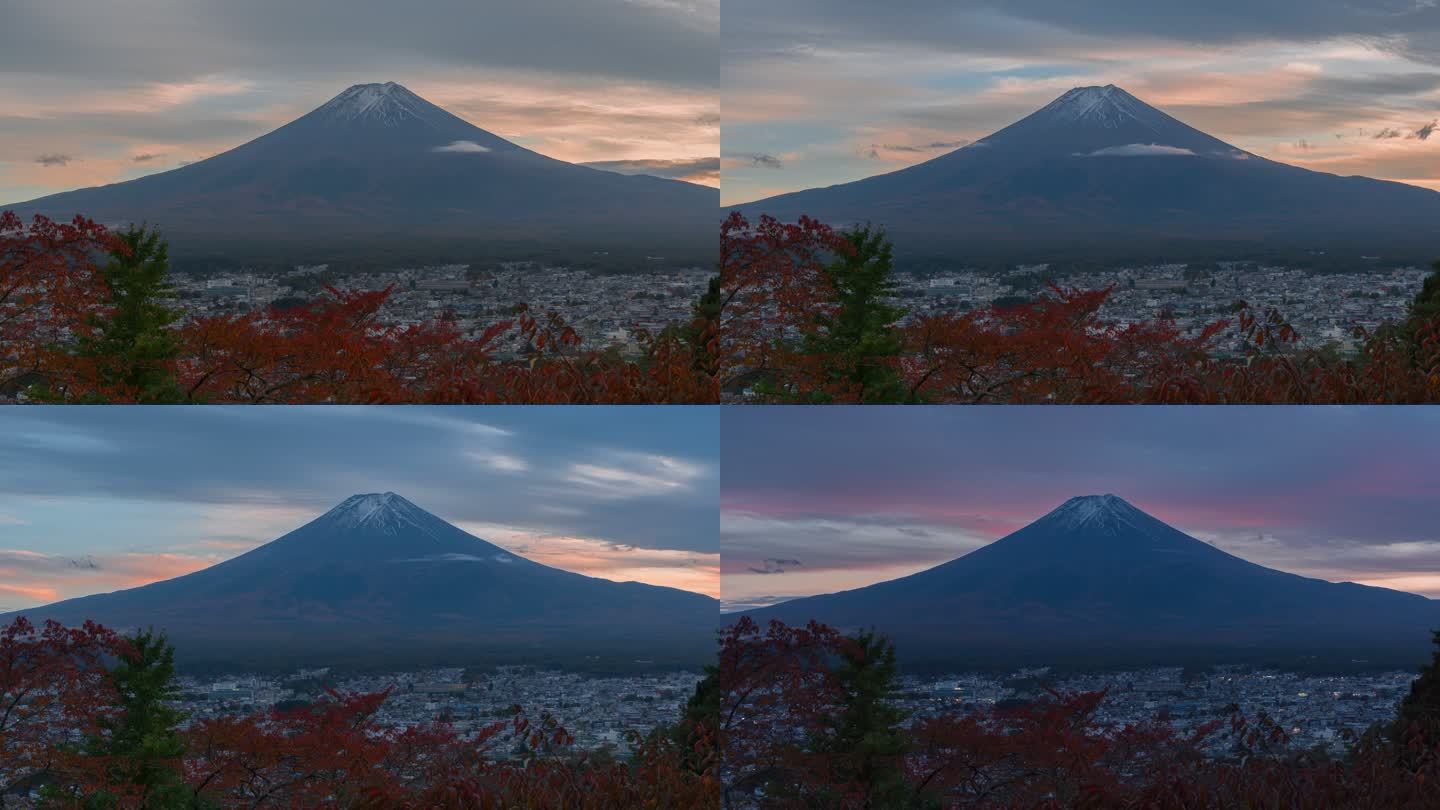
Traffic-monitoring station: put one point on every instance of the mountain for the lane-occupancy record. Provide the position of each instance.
(378, 580)
(379, 168)
(1098, 173)
(1098, 580)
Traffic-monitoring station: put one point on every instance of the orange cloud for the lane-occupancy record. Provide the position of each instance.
(672, 568)
(36, 593)
(601, 120)
(44, 578)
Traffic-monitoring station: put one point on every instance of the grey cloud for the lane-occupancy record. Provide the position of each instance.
(775, 565)
(1388, 133)
(762, 161)
(55, 160)
(734, 605)
(145, 158)
(312, 458)
(1050, 27)
(928, 147)
(35, 563)
(750, 542)
(673, 169)
(1424, 132)
(667, 42)
(139, 126)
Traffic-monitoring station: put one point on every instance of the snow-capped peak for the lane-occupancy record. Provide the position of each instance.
(388, 104)
(1108, 106)
(1093, 511)
(385, 511)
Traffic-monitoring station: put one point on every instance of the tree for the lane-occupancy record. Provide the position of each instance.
(53, 688)
(48, 284)
(1416, 730)
(694, 734)
(134, 756)
(857, 342)
(701, 335)
(131, 350)
(774, 286)
(863, 742)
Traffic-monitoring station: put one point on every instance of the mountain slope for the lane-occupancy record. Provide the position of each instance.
(378, 577)
(379, 165)
(1098, 172)
(1099, 577)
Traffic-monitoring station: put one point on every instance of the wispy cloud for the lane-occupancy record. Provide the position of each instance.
(462, 147)
(1139, 150)
(634, 475)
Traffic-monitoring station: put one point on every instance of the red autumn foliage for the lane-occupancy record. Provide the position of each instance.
(778, 688)
(47, 286)
(1053, 350)
(335, 350)
(334, 753)
(772, 287)
(52, 688)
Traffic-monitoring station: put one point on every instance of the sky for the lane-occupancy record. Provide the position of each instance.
(818, 500)
(94, 92)
(102, 498)
(817, 92)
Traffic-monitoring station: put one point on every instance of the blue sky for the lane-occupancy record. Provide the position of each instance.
(94, 499)
(815, 500)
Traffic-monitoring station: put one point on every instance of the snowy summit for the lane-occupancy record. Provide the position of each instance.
(1097, 512)
(387, 104)
(1108, 106)
(385, 512)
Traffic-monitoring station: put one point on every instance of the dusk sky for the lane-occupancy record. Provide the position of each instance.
(817, 92)
(816, 500)
(96, 92)
(98, 499)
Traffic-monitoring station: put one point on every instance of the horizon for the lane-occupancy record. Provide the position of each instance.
(800, 518)
(729, 607)
(336, 508)
(628, 84)
(100, 510)
(813, 100)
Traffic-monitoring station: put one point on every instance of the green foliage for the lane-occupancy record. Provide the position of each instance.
(133, 346)
(860, 342)
(705, 310)
(139, 747)
(1418, 718)
(699, 721)
(864, 741)
(1425, 308)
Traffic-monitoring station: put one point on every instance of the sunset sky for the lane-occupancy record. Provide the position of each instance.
(99, 499)
(816, 92)
(816, 500)
(96, 92)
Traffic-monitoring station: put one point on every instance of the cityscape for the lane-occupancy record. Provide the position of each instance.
(606, 309)
(600, 712)
(1325, 309)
